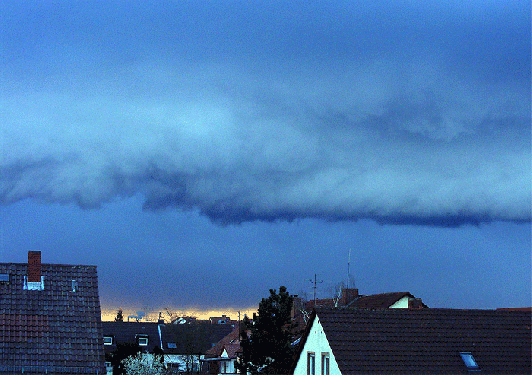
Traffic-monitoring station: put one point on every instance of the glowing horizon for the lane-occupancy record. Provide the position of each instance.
(109, 314)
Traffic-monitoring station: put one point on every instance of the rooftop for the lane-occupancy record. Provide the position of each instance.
(53, 325)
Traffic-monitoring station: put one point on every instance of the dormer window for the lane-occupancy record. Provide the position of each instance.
(142, 340)
(33, 285)
(469, 361)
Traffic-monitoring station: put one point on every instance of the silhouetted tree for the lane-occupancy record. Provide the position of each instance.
(266, 340)
(119, 316)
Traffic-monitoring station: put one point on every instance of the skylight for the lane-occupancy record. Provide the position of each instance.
(469, 361)
(142, 340)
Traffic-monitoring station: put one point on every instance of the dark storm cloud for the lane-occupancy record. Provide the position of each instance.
(399, 112)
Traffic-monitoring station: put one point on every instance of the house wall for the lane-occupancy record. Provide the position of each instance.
(227, 367)
(316, 343)
(179, 361)
(401, 304)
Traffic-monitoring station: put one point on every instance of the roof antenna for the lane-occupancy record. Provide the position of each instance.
(315, 282)
(348, 266)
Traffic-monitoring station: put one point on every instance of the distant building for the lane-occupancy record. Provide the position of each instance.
(222, 320)
(351, 298)
(50, 319)
(222, 358)
(183, 345)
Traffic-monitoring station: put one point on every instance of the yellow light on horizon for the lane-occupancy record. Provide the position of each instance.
(109, 314)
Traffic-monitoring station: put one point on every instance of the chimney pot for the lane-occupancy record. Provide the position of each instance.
(34, 266)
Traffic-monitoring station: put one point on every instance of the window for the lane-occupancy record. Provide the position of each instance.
(325, 363)
(469, 361)
(74, 285)
(108, 340)
(172, 345)
(142, 340)
(33, 285)
(311, 363)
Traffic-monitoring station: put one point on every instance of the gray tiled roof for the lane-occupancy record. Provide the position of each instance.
(56, 329)
(192, 338)
(381, 301)
(128, 333)
(231, 339)
(427, 341)
(195, 338)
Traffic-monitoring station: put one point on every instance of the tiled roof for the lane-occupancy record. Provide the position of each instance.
(129, 332)
(379, 301)
(373, 301)
(194, 338)
(428, 341)
(232, 350)
(232, 338)
(55, 329)
(190, 338)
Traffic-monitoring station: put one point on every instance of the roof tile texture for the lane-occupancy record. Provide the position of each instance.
(428, 341)
(192, 338)
(55, 329)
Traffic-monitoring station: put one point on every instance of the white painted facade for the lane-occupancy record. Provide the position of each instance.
(401, 304)
(317, 346)
(228, 366)
(179, 361)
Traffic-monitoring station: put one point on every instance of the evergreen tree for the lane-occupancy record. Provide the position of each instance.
(119, 316)
(266, 340)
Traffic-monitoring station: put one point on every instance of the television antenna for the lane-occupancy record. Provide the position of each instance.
(315, 282)
(348, 266)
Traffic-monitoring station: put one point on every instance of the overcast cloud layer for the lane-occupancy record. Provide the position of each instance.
(398, 113)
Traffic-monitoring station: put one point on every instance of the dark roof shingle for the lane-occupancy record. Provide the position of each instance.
(191, 338)
(379, 301)
(428, 341)
(55, 329)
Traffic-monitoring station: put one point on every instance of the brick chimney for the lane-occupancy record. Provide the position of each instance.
(348, 296)
(34, 266)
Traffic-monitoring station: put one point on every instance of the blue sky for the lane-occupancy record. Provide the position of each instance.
(200, 153)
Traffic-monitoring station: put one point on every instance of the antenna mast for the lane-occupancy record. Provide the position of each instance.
(315, 282)
(348, 266)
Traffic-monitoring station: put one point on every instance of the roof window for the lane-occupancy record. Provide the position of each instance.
(142, 340)
(108, 340)
(469, 361)
(4, 278)
(33, 285)
(172, 345)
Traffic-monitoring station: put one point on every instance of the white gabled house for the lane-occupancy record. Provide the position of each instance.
(222, 358)
(317, 356)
